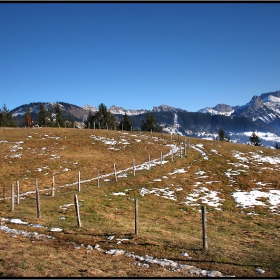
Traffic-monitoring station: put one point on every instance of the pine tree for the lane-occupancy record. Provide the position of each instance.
(150, 123)
(42, 115)
(50, 119)
(90, 120)
(255, 140)
(125, 123)
(105, 118)
(58, 112)
(6, 117)
(222, 135)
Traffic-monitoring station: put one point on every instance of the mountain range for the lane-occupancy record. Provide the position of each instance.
(261, 113)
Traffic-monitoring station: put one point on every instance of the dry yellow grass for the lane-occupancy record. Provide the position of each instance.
(238, 243)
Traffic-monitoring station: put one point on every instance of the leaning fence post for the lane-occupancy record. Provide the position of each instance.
(17, 191)
(136, 215)
(115, 171)
(98, 179)
(204, 235)
(12, 198)
(38, 200)
(79, 181)
(76, 202)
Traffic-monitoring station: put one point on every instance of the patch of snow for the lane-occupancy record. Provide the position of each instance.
(56, 229)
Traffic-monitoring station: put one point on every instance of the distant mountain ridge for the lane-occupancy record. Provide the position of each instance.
(261, 113)
(265, 107)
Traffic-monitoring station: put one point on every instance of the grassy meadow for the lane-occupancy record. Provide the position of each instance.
(170, 196)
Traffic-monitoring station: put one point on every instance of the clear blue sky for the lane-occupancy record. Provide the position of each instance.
(138, 55)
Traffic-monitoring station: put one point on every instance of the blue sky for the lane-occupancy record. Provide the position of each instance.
(138, 55)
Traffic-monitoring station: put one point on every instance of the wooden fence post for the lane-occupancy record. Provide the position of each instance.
(133, 162)
(172, 156)
(115, 171)
(4, 192)
(180, 150)
(12, 198)
(136, 215)
(79, 181)
(204, 235)
(98, 179)
(160, 157)
(17, 191)
(38, 200)
(76, 202)
(149, 162)
(53, 186)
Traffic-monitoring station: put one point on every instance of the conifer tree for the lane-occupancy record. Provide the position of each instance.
(50, 117)
(90, 120)
(42, 115)
(255, 140)
(222, 135)
(105, 118)
(6, 117)
(150, 123)
(59, 119)
(125, 123)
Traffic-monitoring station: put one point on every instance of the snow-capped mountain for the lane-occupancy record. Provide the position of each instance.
(165, 108)
(220, 109)
(90, 108)
(261, 114)
(121, 111)
(265, 107)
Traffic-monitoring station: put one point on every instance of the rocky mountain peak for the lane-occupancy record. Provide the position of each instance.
(223, 108)
(90, 108)
(256, 102)
(166, 108)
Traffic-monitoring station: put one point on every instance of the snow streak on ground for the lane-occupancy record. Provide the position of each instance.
(143, 261)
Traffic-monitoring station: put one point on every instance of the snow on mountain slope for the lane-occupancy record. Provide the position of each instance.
(220, 109)
(121, 111)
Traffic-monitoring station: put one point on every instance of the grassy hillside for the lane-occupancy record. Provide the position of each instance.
(170, 194)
